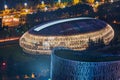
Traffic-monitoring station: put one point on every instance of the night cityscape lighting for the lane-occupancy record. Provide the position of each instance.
(59, 39)
(73, 33)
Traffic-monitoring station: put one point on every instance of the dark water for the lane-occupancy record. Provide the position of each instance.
(19, 64)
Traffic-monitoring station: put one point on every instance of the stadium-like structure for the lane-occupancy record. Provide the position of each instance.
(73, 33)
(67, 64)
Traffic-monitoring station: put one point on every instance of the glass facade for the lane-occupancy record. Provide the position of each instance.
(68, 67)
(37, 43)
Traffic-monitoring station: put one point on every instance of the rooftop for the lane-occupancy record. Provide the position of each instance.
(70, 26)
(87, 56)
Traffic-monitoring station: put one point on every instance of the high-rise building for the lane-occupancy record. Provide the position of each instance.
(67, 64)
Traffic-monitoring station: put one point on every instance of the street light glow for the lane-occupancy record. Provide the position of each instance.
(5, 6)
(42, 2)
(59, 1)
(25, 4)
(3, 63)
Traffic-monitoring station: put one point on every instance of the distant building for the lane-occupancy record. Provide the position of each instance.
(65, 1)
(73, 33)
(0, 22)
(76, 1)
(67, 64)
(10, 20)
(68, 1)
(112, 0)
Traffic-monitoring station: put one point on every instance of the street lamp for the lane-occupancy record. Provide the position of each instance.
(59, 1)
(25, 4)
(42, 2)
(26, 10)
(111, 1)
(5, 6)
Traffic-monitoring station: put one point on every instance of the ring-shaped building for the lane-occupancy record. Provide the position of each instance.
(73, 33)
(68, 64)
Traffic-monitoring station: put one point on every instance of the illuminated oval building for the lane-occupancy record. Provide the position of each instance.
(84, 65)
(73, 33)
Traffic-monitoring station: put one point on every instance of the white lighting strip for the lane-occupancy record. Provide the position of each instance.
(59, 21)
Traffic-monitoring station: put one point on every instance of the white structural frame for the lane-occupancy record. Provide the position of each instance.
(59, 21)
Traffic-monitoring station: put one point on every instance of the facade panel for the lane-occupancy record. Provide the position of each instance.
(66, 68)
(73, 33)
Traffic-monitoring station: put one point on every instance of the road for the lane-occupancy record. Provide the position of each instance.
(9, 39)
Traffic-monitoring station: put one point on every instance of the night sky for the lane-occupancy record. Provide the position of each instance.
(13, 3)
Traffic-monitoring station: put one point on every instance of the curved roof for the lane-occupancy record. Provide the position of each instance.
(86, 56)
(68, 27)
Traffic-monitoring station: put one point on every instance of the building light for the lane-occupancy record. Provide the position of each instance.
(49, 79)
(46, 8)
(33, 75)
(111, 1)
(44, 44)
(26, 76)
(3, 64)
(26, 10)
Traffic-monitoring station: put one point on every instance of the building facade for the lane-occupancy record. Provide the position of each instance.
(73, 65)
(73, 33)
(0, 22)
(68, 1)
